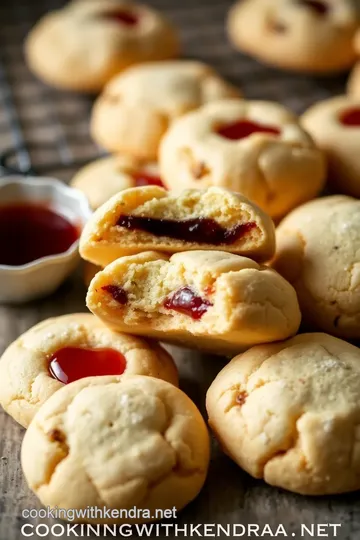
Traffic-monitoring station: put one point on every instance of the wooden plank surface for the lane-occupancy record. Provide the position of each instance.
(53, 127)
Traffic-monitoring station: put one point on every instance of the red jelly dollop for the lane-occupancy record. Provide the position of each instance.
(187, 302)
(72, 363)
(201, 230)
(31, 231)
(146, 179)
(350, 117)
(118, 293)
(321, 8)
(244, 128)
(126, 17)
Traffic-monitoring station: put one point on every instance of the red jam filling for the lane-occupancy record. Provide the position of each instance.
(31, 231)
(187, 302)
(118, 293)
(73, 363)
(124, 17)
(351, 117)
(201, 230)
(244, 128)
(321, 8)
(145, 179)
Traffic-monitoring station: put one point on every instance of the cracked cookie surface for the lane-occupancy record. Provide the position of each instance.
(104, 177)
(290, 413)
(300, 35)
(255, 148)
(318, 248)
(26, 376)
(137, 107)
(210, 300)
(82, 46)
(117, 442)
(334, 124)
(150, 218)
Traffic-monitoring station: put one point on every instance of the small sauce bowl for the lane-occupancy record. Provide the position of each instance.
(41, 276)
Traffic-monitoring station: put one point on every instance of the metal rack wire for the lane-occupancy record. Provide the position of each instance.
(46, 130)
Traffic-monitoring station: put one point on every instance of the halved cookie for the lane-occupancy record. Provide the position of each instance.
(210, 300)
(150, 218)
(64, 349)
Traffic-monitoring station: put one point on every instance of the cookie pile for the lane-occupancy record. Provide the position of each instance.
(182, 249)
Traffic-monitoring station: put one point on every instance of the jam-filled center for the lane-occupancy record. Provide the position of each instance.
(200, 230)
(350, 117)
(123, 16)
(319, 7)
(29, 232)
(70, 364)
(142, 178)
(244, 128)
(118, 293)
(186, 301)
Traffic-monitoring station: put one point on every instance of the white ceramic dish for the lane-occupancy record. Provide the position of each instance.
(42, 276)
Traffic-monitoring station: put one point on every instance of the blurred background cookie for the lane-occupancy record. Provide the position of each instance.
(256, 148)
(104, 177)
(334, 124)
(300, 35)
(83, 45)
(137, 107)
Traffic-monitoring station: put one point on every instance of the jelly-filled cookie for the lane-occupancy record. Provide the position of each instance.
(318, 251)
(83, 45)
(335, 126)
(289, 413)
(117, 442)
(301, 35)
(106, 176)
(64, 349)
(255, 148)
(137, 107)
(209, 300)
(150, 218)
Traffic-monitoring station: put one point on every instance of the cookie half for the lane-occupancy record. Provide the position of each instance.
(289, 413)
(117, 442)
(61, 350)
(150, 218)
(209, 300)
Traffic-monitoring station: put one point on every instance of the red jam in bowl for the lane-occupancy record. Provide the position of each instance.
(29, 232)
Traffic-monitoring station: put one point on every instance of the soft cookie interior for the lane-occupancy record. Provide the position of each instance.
(198, 297)
(150, 218)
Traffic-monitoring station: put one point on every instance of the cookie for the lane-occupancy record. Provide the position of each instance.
(119, 443)
(63, 349)
(210, 300)
(82, 46)
(150, 218)
(335, 126)
(300, 35)
(289, 413)
(137, 107)
(254, 147)
(106, 176)
(318, 247)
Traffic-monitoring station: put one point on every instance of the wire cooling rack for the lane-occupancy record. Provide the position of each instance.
(46, 131)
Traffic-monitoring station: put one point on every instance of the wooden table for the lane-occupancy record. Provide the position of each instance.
(50, 129)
